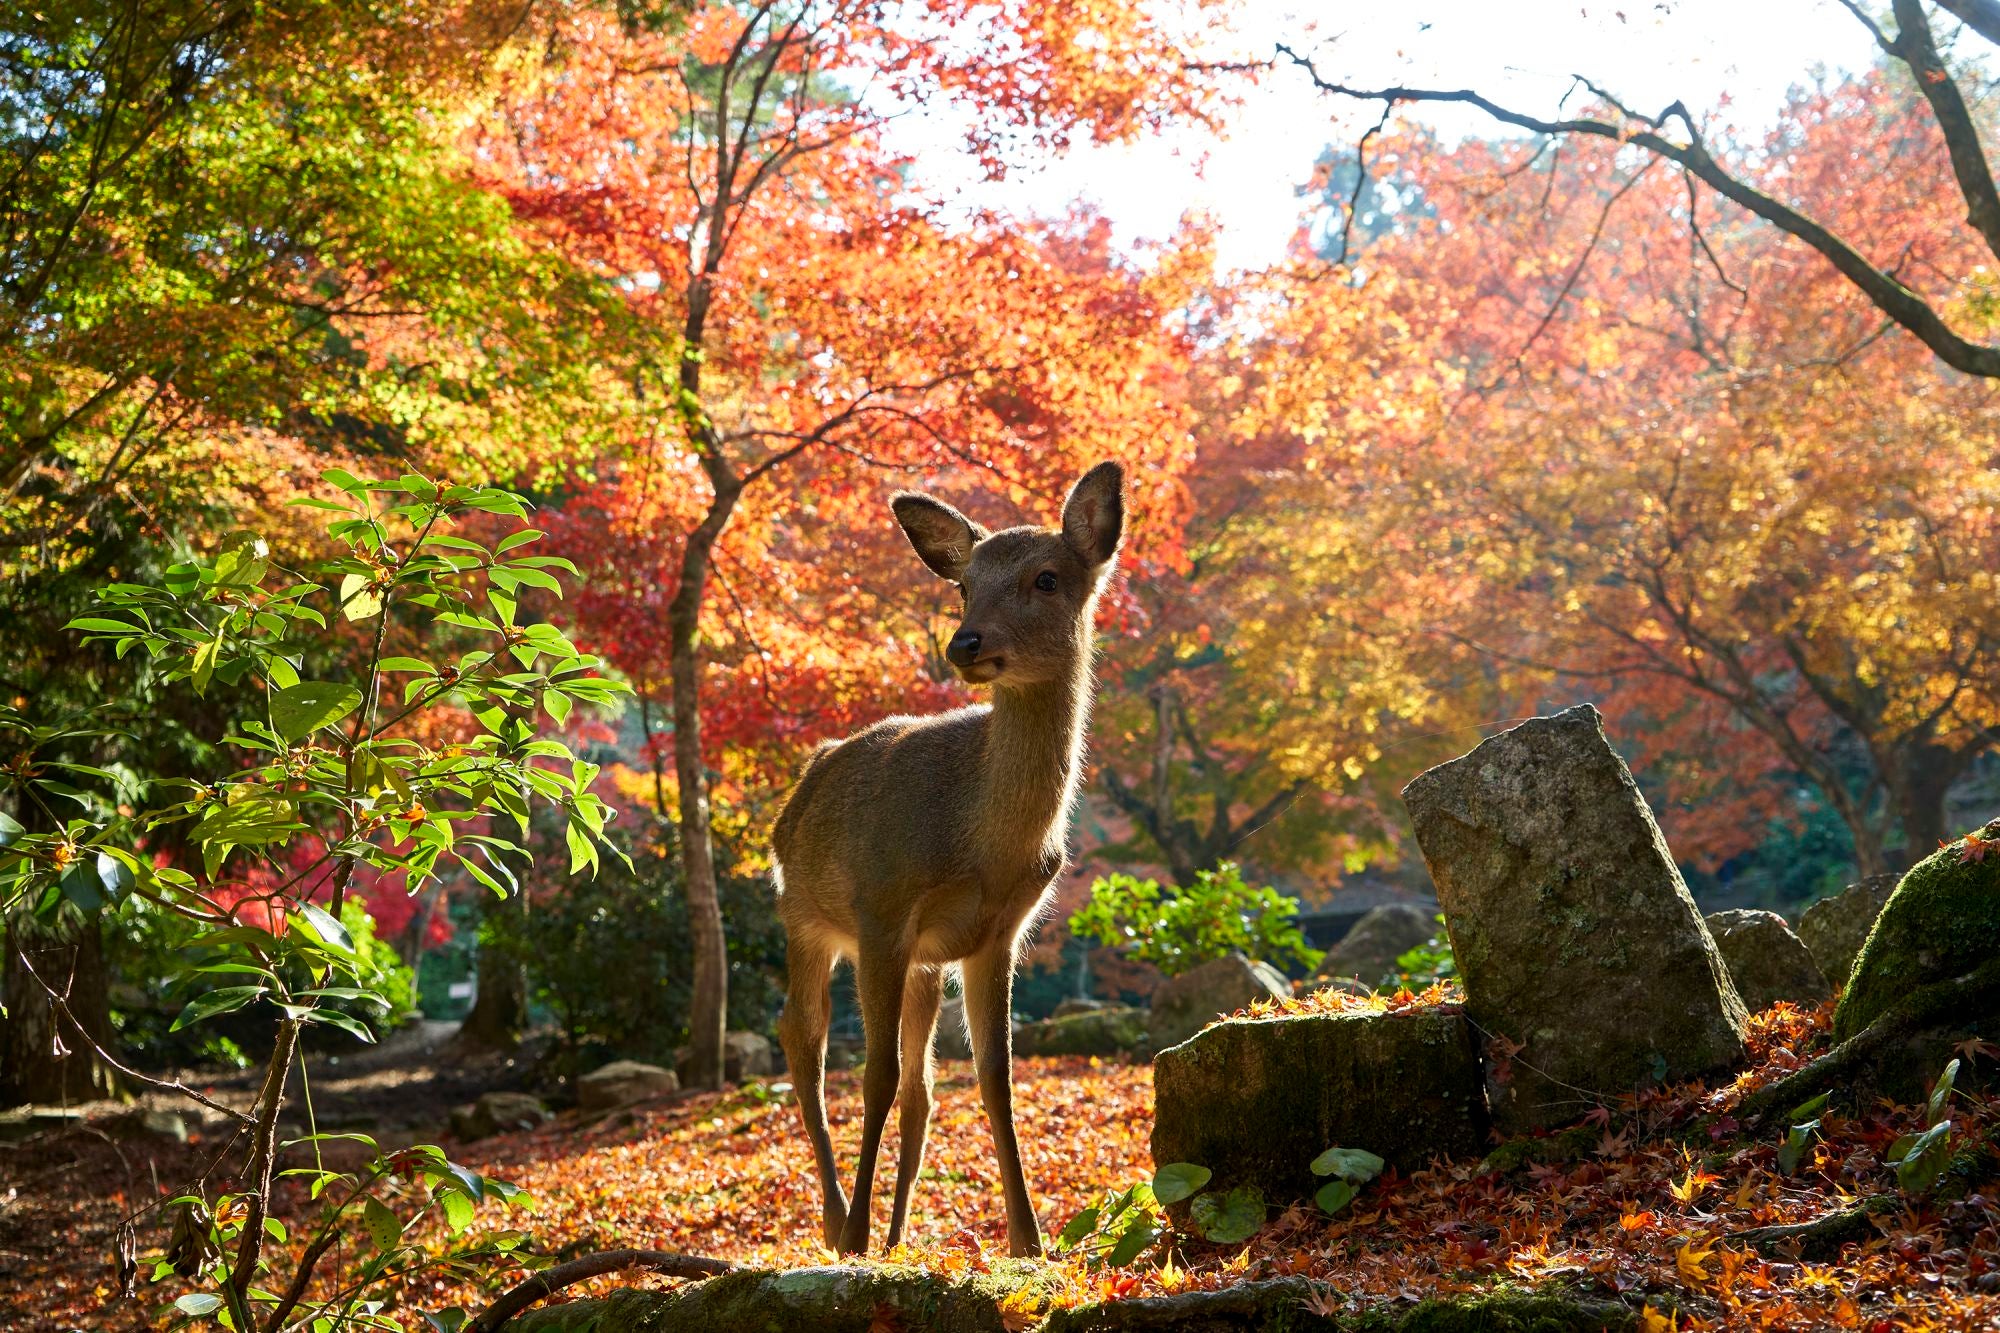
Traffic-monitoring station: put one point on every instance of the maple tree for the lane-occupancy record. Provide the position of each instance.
(1618, 446)
(813, 315)
(1953, 318)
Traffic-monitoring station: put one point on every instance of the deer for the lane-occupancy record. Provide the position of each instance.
(922, 844)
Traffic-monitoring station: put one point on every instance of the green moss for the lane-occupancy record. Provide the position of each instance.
(1942, 921)
(1568, 1145)
(831, 1300)
(1112, 1031)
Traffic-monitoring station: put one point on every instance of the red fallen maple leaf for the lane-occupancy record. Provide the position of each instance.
(1976, 849)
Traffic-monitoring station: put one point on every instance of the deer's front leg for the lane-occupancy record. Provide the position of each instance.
(989, 1014)
(921, 998)
(880, 978)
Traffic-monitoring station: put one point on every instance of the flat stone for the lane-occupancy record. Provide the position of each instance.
(623, 1082)
(1835, 927)
(1185, 1004)
(1575, 936)
(1766, 961)
(1256, 1100)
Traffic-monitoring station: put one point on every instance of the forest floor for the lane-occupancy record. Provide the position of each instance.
(1639, 1214)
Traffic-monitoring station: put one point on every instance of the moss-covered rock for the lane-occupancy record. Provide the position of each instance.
(834, 1300)
(1255, 1100)
(1574, 933)
(1942, 922)
(1297, 1305)
(844, 1299)
(1109, 1031)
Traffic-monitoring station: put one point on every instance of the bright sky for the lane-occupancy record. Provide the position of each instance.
(1519, 52)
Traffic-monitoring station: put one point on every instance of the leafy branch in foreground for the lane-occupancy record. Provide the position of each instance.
(342, 774)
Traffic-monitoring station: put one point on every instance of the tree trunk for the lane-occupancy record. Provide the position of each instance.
(43, 1056)
(1920, 795)
(708, 1007)
(500, 1004)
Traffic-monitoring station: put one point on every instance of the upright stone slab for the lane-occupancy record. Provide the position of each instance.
(1574, 933)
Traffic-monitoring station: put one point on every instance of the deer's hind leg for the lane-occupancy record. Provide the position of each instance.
(881, 974)
(809, 962)
(921, 998)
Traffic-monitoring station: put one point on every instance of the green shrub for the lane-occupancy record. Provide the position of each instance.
(1430, 961)
(1178, 929)
(611, 959)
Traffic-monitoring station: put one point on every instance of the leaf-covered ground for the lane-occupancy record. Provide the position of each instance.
(1642, 1213)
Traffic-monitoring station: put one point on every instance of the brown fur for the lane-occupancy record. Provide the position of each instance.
(927, 841)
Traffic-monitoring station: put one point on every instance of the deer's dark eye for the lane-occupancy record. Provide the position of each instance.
(1046, 580)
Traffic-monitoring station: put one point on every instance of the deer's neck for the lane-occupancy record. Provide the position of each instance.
(1034, 751)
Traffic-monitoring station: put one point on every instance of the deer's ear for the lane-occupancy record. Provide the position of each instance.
(944, 538)
(1093, 518)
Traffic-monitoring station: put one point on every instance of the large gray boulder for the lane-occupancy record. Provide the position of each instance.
(623, 1082)
(1766, 960)
(1369, 951)
(745, 1055)
(1575, 937)
(498, 1113)
(1835, 928)
(1255, 1100)
(1185, 1004)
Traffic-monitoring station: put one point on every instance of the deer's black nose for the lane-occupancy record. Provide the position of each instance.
(963, 650)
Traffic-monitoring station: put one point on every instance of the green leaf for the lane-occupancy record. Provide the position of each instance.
(1139, 1233)
(302, 709)
(198, 1303)
(1355, 1164)
(80, 886)
(1793, 1150)
(1920, 1159)
(345, 1022)
(321, 925)
(103, 625)
(1336, 1195)
(10, 828)
(1228, 1219)
(384, 1227)
(457, 1209)
(357, 602)
(1079, 1226)
(114, 876)
(225, 1000)
(1941, 1093)
(1179, 1180)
